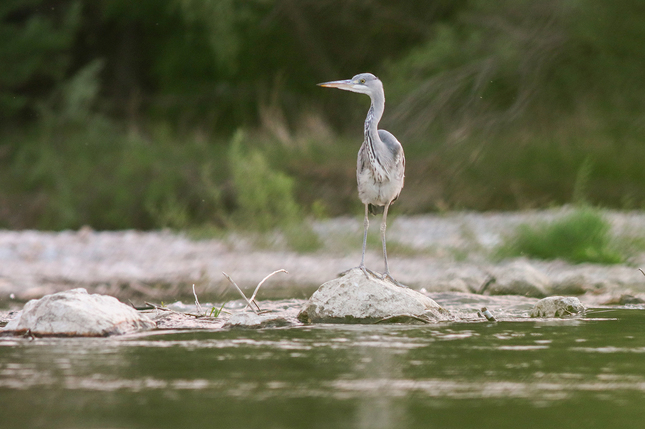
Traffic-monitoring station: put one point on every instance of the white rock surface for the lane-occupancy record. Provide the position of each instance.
(77, 313)
(519, 278)
(557, 306)
(354, 298)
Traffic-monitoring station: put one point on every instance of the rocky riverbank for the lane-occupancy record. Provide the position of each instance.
(435, 252)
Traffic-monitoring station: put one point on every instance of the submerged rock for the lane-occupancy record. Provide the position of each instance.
(77, 313)
(252, 320)
(176, 320)
(557, 306)
(354, 298)
(518, 279)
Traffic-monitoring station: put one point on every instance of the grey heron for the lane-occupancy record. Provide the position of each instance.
(381, 163)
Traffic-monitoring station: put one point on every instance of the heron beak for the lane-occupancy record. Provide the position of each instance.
(340, 84)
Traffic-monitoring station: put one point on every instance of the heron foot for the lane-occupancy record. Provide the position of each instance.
(365, 270)
(387, 276)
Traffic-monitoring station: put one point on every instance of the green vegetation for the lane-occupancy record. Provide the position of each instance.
(215, 312)
(581, 236)
(265, 198)
(120, 114)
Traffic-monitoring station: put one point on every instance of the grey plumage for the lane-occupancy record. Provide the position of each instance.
(380, 166)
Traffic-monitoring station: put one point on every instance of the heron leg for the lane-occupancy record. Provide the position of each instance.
(366, 226)
(387, 274)
(366, 271)
(383, 228)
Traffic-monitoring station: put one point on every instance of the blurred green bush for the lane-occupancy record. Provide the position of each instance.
(583, 235)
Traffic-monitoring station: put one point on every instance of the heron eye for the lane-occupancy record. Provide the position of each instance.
(362, 81)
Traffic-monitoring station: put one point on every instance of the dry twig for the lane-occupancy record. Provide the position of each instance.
(250, 302)
(241, 293)
(255, 292)
(198, 307)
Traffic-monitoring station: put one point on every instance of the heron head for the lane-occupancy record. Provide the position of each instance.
(364, 83)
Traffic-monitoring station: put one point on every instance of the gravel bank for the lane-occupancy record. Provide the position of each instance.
(435, 252)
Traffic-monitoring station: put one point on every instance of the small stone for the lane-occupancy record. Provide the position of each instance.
(557, 306)
(630, 299)
(355, 298)
(77, 313)
(485, 312)
(623, 299)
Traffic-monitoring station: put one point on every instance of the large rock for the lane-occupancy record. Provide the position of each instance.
(449, 284)
(571, 285)
(574, 284)
(77, 313)
(557, 306)
(518, 279)
(354, 298)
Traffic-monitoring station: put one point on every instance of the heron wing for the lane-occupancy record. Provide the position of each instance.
(394, 159)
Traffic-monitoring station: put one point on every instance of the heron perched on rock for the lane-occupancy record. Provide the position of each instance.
(381, 163)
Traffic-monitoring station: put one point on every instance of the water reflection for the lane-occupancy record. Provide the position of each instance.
(378, 409)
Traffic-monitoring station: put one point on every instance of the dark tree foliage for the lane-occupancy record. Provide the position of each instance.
(196, 60)
(36, 40)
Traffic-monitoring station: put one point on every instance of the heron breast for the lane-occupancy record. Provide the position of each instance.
(377, 190)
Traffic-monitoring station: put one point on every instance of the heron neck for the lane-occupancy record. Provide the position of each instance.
(375, 113)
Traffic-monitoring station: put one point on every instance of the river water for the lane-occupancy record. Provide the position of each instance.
(520, 373)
